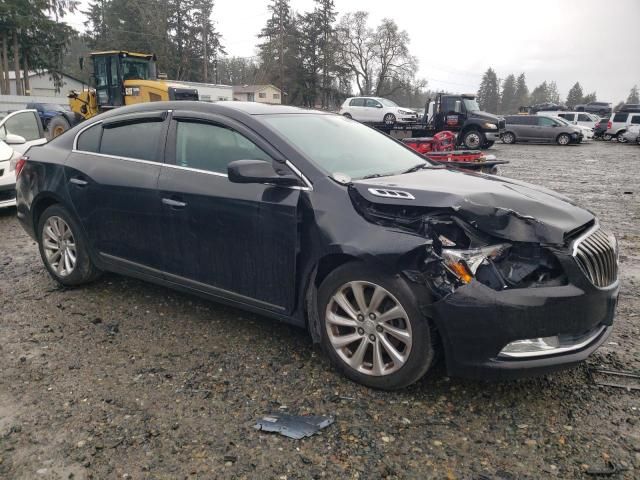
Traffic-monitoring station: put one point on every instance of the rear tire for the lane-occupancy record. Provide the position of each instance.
(64, 249)
(509, 138)
(363, 340)
(57, 126)
(563, 139)
(620, 137)
(606, 137)
(347, 115)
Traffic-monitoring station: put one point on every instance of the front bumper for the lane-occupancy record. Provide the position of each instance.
(492, 136)
(477, 322)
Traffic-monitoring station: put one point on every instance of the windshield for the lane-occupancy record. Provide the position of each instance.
(471, 105)
(562, 120)
(387, 103)
(336, 144)
(134, 68)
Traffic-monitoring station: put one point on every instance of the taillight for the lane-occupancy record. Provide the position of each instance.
(20, 165)
(609, 125)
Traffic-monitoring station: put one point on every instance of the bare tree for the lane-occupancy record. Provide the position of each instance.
(393, 61)
(357, 49)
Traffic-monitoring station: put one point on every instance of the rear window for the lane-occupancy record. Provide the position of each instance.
(635, 120)
(568, 116)
(357, 102)
(132, 140)
(620, 117)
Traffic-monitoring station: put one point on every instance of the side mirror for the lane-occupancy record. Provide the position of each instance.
(13, 139)
(258, 171)
(379, 105)
(458, 106)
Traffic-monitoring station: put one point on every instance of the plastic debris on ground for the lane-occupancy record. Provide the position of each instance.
(293, 426)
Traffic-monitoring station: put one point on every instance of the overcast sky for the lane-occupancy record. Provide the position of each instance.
(456, 41)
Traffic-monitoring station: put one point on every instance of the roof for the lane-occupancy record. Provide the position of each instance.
(124, 52)
(252, 88)
(35, 73)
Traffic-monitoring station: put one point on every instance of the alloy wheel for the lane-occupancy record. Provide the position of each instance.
(564, 139)
(389, 119)
(59, 246)
(472, 140)
(368, 328)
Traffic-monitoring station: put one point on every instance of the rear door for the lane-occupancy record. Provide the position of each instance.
(238, 241)
(358, 110)
(112, 176)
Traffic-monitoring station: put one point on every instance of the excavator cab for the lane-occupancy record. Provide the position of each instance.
(111, 70)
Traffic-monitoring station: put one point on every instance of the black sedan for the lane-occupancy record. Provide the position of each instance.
(323, 222)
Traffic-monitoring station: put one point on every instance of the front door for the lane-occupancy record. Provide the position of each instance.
(238, 241)
(112, 177)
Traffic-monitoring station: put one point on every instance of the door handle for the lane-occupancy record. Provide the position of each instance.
(79, 182)
(177, 204)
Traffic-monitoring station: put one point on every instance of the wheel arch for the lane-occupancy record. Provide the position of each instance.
(39, 205)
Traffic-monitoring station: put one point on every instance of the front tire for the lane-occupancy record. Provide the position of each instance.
(620, 137)
(389, 119)
(509, 138)
(487, 145)
(563, 139)
(63, 248)
(473, 139)
(372, 329)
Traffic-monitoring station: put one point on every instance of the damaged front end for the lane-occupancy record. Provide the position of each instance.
(504, 305)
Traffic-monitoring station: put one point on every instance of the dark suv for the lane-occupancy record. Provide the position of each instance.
(599, 108)
(383, 256)
(539, 129)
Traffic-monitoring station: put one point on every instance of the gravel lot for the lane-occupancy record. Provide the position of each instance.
(123, 379)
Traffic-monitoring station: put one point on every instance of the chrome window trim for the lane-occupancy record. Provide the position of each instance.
(308, 186)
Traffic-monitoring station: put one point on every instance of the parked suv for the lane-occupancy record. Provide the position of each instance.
(600, 108)
(376, 110)
(618, 124)
(537, 128)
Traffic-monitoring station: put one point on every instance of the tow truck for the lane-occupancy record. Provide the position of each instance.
(461, 114)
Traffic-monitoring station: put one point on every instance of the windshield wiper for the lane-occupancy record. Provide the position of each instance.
(415, 168)
(374, 175)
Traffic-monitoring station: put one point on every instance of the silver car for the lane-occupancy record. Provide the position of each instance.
(539, 129)
(632, 134)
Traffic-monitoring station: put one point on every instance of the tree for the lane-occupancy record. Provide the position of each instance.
(489, 92)
(553, 95)
(522, 92)
(575, 96)
(590, 97)
(357, 51)
(633, 97)
(540, 94)
(326, 17)
(508, 99)
(393, 63)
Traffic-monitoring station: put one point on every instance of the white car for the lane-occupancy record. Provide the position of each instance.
(587, 132)
(632, 134)
(619, 123)
(376, 110)
(19, 131)
(584, 119)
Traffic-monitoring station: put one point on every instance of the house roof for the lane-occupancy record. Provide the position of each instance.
(252, 88)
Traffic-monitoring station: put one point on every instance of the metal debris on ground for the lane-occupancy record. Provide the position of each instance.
(293, 426)
(615, 378)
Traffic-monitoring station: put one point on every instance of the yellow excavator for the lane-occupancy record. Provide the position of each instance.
(119, 78)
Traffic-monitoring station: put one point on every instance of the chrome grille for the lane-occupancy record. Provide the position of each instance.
(596, 254)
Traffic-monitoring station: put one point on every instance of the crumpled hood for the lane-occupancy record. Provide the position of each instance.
(498, 206)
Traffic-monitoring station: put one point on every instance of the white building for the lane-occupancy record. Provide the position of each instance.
(41, 84)
(257, 93)
(209, 92)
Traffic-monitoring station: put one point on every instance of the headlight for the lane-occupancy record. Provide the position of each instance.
(490, 126)
(465, 263)
(405, 112)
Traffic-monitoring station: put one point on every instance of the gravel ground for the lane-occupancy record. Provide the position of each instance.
(123, 379)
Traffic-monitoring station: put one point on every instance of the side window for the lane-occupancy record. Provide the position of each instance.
(513, 120)
(212, 147)
(568, 116)
(449, 104)
(89, 140)
(545, 122)
(635, 120)
(620, 117)
(530, 120)
(372, 103)
(134, 140)
(24, 124)
(584, 118)
(357, 102)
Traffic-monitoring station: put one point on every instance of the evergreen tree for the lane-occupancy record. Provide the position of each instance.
(522, 92)
(553, 95)
(540, 94)
(575, 96)
(633, 97)
(508, 99)
(489, 92)
(591, 97)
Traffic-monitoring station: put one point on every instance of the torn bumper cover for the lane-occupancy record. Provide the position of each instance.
(477, 323)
